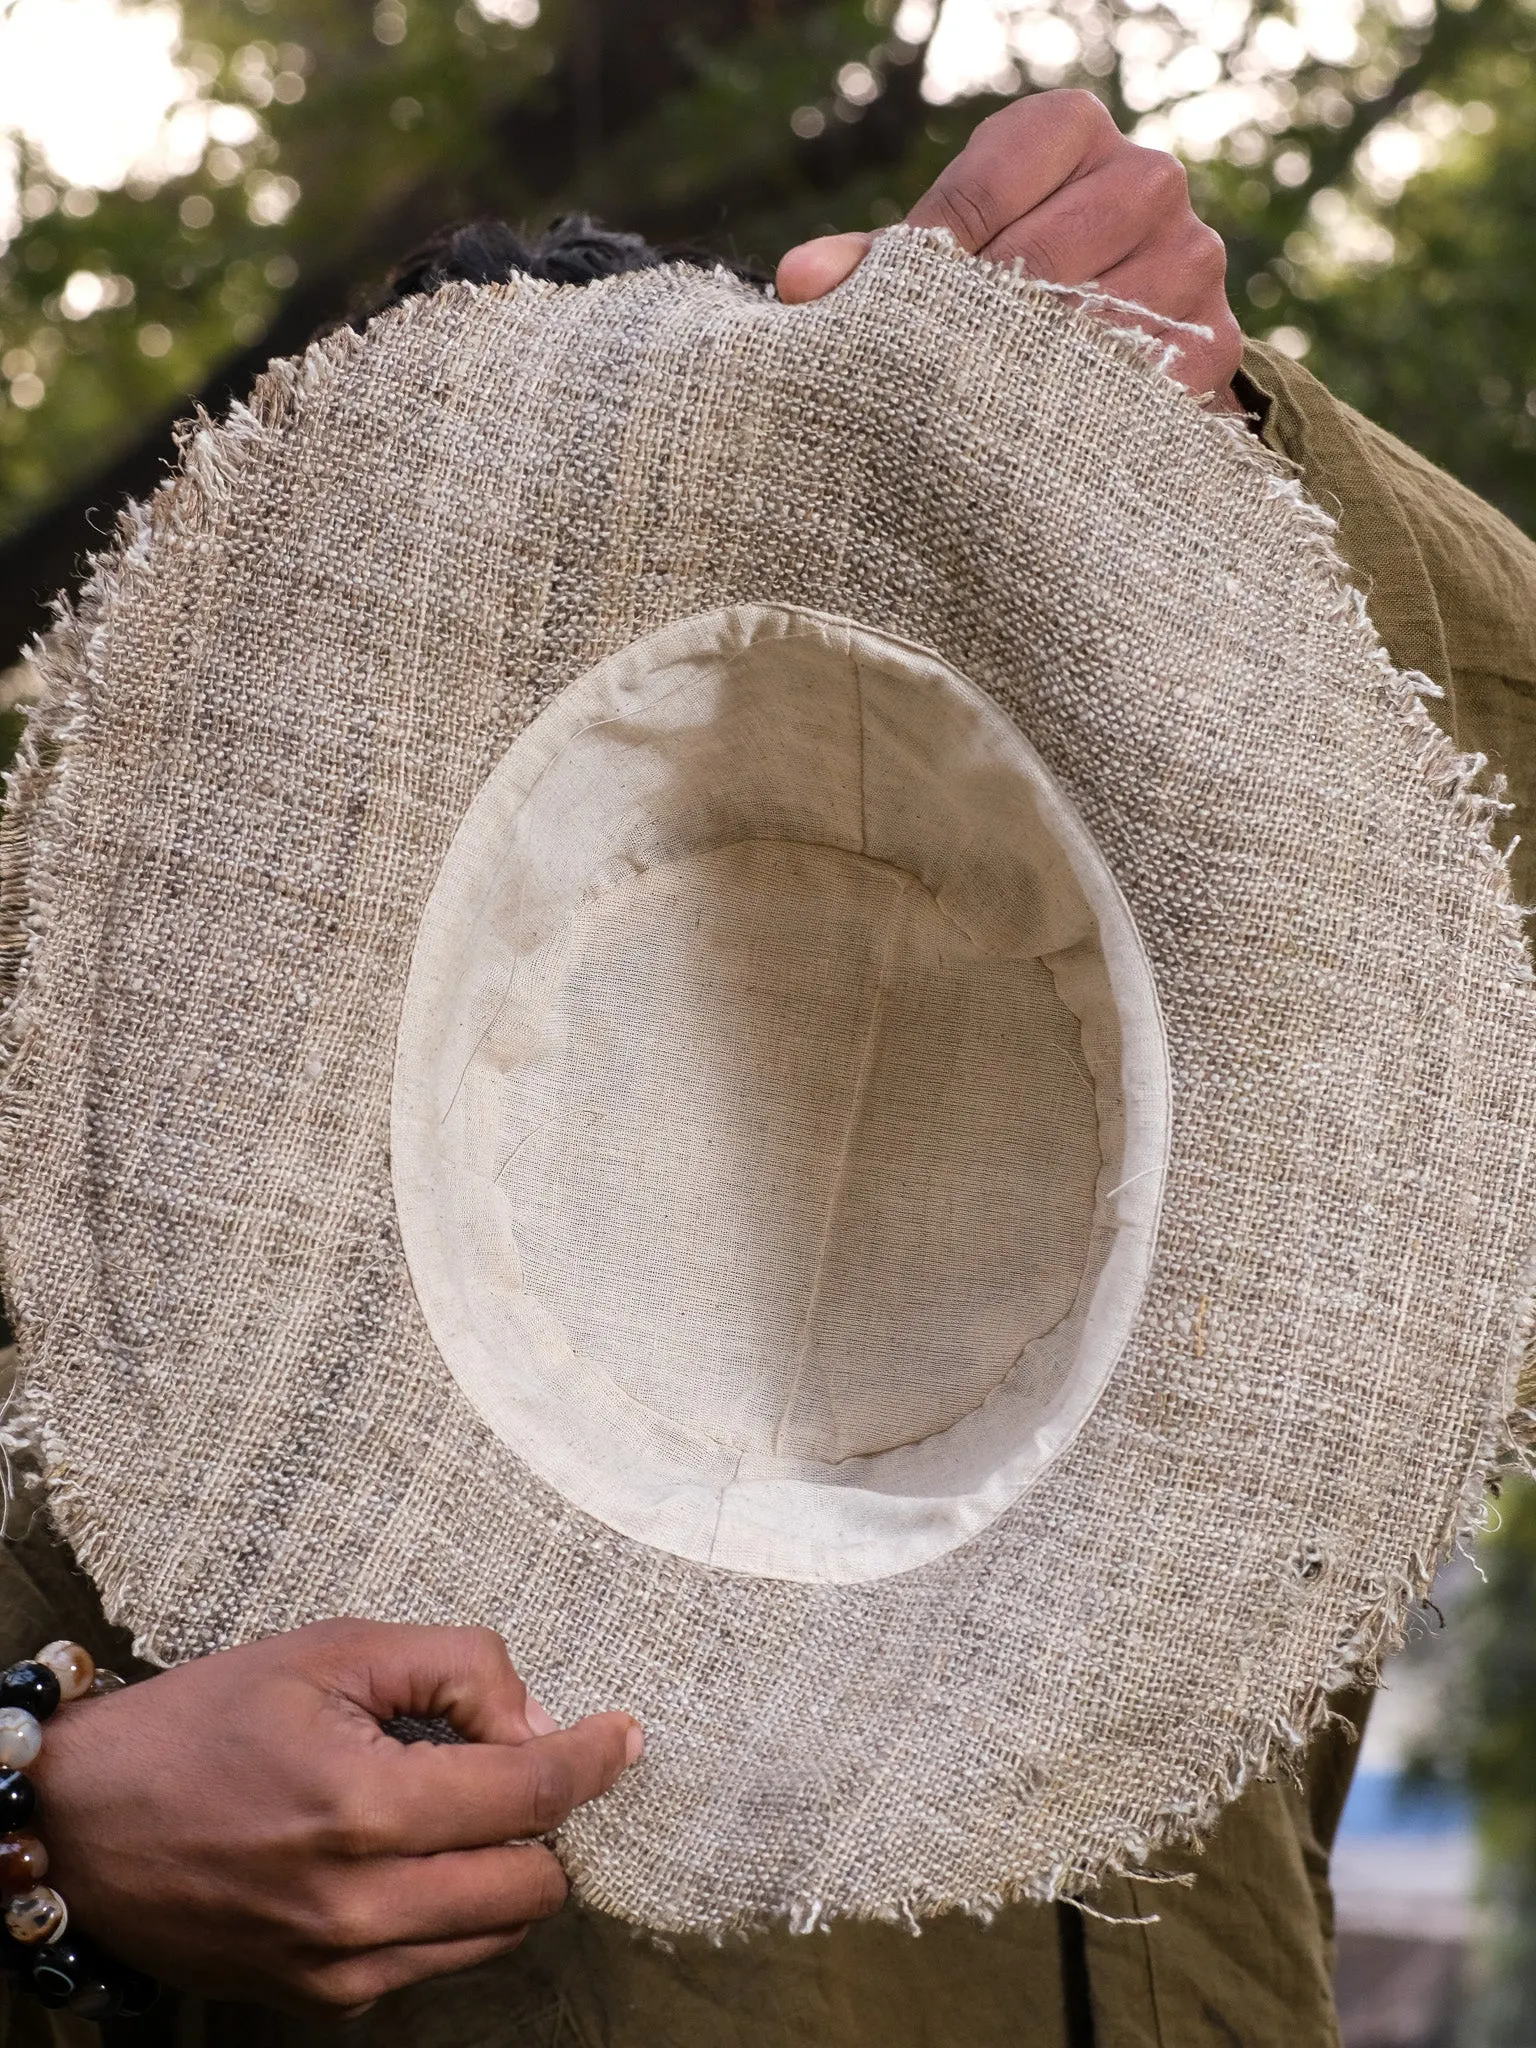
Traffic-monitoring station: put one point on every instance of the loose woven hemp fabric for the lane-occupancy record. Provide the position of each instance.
(266, 726)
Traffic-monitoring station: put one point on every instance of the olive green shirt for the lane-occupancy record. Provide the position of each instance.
(1242, 1956)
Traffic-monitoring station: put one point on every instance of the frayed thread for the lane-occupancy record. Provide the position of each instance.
(40, 821)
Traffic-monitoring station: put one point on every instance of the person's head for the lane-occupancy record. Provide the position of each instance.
(574, 250)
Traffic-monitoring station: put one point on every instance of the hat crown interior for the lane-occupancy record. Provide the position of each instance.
(780, 1102)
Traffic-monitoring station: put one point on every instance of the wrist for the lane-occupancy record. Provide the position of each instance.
(54, 1959)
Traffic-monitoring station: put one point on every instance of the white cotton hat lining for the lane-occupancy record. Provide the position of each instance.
(781, 1101)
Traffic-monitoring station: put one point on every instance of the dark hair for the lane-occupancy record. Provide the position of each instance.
(574, 250)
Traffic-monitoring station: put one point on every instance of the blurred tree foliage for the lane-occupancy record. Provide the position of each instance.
(339, 134)
(1420, 308)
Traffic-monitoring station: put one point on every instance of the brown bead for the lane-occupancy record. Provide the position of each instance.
(23, 1863)
(37, 1915)
(72, 1665)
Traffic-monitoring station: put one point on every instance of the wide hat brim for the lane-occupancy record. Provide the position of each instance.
(260, 733)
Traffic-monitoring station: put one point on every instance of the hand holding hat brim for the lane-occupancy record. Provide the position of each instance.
(244, 1822)
(1051, 183)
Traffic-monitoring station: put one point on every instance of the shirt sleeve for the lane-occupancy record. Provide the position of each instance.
(1450, 583)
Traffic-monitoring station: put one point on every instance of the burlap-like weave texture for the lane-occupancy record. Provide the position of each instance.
(261, 729)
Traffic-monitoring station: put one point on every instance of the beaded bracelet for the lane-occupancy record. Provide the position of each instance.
(65, 1970)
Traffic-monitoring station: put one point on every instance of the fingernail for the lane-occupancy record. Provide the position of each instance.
(634, 1745)
(538, 1718)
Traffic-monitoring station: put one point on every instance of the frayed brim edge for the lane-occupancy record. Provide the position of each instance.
(37, 831)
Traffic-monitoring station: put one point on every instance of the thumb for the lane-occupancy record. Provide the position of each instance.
(460, 1675)
(816, 268)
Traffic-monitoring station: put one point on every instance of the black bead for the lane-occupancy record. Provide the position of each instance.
(97, 1998)
(57, 1972)
(74, 1972)
(32, 1686)
(18, 1799)
(74, 1952)
(71, 1955)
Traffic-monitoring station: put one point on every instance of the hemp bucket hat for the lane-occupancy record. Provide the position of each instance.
(786, 1000)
